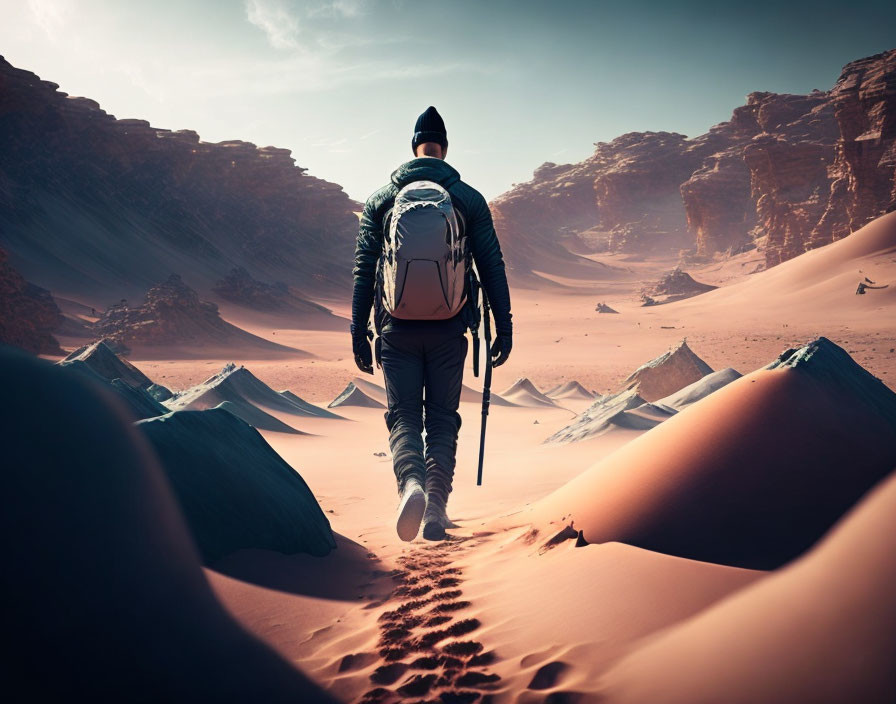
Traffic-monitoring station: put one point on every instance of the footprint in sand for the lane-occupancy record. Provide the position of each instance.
(420, 639)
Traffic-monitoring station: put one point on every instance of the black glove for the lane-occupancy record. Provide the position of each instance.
(361, 349)
(501, 349)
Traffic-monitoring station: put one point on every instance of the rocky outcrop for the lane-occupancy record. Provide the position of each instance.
(115, 205)
(28, 313)
(173, 315)
(668, 373)
(786, 172)
(673, 286)
(625, 197)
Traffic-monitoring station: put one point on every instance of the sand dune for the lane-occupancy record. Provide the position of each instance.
(235, 491)
(310, 408)
(360, 393)
(796, 444)
(822, 630)
(608, 412)
(244, 395)
(138, 402)
(813, 286)
(626, 408)
(524, 393)
(571, 389)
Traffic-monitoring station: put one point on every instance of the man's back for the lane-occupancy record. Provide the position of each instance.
(479, 230)
(423, 360)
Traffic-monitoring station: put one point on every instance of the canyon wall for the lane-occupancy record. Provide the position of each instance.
(786, 172)
(99, 208)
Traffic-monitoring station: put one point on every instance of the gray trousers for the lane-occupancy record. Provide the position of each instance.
(423, 370)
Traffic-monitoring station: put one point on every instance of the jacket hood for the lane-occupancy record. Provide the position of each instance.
(425, 168)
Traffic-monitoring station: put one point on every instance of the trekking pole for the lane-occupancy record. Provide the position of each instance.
(486, 383)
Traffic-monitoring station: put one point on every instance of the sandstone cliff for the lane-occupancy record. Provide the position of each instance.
(786, 173)
(28, 313)
(172, 315)
(94, 207)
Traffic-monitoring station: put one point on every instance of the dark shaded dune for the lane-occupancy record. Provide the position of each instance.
(234, 490)
(257, 418)
(138, 401)
(101, 359)
(105, 597)
(751, 475)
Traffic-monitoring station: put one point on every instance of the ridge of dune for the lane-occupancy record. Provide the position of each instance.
(803, 439)
(373, 390)
(235, 491)
(137, 400)
(353, 395)
(523, 392)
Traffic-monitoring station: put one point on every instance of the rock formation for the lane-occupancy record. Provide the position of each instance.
(675, 285)
(172, 314)
(28, 313)
(786, 172)
(234, 490)
(115, 205)
(671, 371)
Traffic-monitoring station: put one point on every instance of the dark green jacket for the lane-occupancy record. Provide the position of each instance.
(480, 232)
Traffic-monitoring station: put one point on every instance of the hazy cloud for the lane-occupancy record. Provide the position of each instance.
(49, 15)
(277, 20)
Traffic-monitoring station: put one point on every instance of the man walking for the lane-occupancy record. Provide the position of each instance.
(418, 235)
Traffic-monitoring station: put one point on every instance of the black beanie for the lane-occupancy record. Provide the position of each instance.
(429, 128)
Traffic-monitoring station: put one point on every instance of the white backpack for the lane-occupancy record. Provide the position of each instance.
(425, 261)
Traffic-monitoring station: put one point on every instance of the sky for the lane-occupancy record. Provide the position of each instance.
(518, 83)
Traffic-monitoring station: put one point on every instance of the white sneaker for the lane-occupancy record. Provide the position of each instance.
(410, 510)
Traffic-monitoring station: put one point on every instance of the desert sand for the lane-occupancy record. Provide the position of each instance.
(737, 550)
